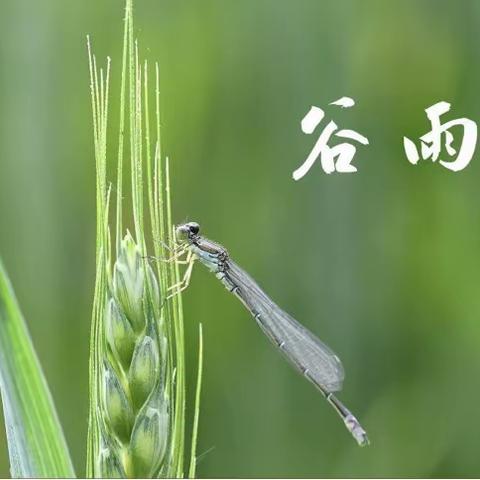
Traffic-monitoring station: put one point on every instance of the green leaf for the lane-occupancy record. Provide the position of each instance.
(36, 444)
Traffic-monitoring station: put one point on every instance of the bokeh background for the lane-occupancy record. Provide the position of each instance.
(383, 264)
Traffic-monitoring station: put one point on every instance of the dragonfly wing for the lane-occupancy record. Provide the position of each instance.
(301, 347)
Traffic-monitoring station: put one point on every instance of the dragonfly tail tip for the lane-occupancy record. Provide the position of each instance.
(357, 431)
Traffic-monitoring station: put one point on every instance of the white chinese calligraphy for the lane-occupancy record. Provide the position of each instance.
(431, 142)
(337, 158)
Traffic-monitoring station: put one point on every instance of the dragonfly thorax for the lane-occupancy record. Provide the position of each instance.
(211, 254)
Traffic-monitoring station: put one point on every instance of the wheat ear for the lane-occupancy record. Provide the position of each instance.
(134, 407)
(137, 355)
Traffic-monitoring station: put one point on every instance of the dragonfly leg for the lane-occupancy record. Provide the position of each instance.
(166, 246)
(185, 282)
(176, 257)
(175, 246)
(150, 258)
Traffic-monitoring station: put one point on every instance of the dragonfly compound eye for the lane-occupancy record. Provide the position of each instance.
(194, 228)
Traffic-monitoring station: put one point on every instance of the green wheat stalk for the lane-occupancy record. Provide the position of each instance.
(137, 367)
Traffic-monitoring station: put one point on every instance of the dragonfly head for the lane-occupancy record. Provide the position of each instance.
(189, 230)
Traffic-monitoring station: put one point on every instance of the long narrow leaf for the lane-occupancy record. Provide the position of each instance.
(36, 443)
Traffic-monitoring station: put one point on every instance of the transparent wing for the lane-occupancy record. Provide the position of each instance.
(303, 349)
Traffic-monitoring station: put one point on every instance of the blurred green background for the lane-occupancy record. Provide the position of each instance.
(383, 264)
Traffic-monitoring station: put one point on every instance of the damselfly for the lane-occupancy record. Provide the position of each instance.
(317, 362)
